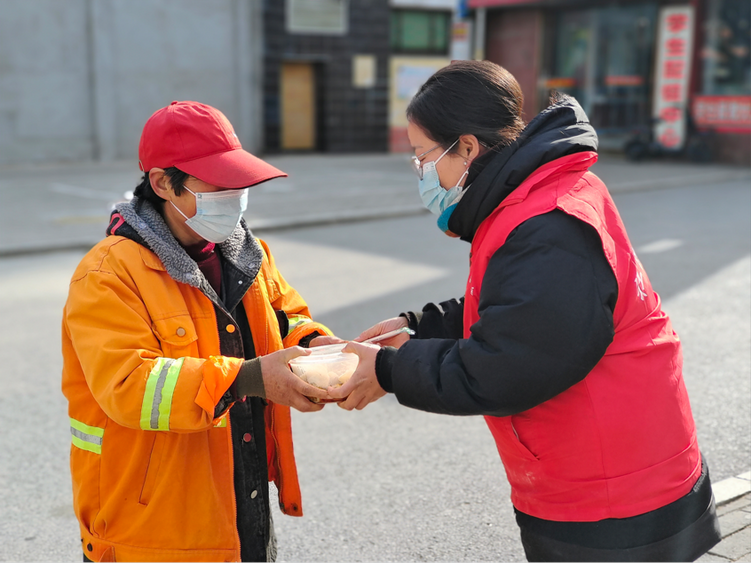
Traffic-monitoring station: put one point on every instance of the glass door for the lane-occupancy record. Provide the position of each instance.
(623, 71)
(603, 58)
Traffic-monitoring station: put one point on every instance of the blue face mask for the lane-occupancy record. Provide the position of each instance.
(439, 200)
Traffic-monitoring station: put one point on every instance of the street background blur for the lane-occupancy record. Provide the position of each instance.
(319, 88)
(79, 78)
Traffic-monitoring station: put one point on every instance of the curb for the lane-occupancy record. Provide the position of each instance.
(350, 216)
(257, 225)
(46, 249)
(708, 178)
(260, 225)
(732, 488)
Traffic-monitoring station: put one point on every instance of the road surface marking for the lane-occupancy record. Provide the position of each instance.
(662, 245)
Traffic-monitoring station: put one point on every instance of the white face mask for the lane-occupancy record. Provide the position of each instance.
(217, 213)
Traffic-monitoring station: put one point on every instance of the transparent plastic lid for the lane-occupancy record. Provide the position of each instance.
(328, 349)
(326, 366)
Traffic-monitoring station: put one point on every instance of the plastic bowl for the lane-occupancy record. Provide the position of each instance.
(326, 366)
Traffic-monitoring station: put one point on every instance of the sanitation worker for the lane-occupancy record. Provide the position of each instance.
(559, 340)
(176, 336)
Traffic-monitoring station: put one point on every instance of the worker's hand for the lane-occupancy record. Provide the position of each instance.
(283, 387)
(362, 388)
(387, 326)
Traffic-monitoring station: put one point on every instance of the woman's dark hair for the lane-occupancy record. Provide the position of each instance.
(476, 98)
(176, 179)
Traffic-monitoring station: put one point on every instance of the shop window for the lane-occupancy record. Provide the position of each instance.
(603, 58)
(726, 55)
(420, 32)
(321, 17)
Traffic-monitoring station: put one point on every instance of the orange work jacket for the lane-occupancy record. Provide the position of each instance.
(152, 468)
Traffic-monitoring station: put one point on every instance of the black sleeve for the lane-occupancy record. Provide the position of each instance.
(546, 318)
(444, 320)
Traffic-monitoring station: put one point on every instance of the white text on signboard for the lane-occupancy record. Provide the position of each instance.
(672, 73)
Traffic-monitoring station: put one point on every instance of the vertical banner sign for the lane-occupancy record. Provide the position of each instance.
(672, 73)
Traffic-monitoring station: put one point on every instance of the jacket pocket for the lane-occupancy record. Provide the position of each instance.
(152, 470)
(521, 449)
(177, 335)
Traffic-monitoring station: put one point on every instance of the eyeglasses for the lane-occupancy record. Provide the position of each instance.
(417, 165)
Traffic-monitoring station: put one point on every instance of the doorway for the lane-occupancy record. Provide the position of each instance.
(298, 97)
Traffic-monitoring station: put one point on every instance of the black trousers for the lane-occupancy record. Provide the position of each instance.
(681, 531)
(687, 545)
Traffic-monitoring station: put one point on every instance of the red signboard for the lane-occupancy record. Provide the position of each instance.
(489, 3)
(723, 113)
(563, 82)
(624, 80)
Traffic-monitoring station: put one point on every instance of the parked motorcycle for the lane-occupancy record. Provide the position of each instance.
(642, 144)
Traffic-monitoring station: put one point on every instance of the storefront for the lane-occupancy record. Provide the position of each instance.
(603, 57)
(670, 65)
(722, 100)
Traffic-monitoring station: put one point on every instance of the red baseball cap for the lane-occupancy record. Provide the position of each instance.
(199, 140)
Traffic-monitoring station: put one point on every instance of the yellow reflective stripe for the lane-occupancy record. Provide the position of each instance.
(297, 320)
(157, 398)
(222, 423)
(148, 394)
(86, 437)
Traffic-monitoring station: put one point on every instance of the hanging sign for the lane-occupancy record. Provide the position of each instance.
(672, 72)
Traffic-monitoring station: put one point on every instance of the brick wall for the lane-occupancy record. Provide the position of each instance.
(349, 119)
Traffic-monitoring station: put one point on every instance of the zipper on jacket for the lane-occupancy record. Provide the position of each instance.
(232, 480)
(220, 306)
(278, 484)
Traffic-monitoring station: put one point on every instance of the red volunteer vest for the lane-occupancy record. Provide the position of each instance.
(622, 441)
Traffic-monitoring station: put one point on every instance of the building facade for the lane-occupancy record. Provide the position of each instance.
(425, 36)
(680, 67)
(325, 75)
(78, 79)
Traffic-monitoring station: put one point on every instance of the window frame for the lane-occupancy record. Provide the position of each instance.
(296, 26)
(396, 44)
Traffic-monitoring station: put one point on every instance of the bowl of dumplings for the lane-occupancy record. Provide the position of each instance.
(325, 366)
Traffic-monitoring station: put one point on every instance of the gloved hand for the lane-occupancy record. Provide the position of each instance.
(270, 377)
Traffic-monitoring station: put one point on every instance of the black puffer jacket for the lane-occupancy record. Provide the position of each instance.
(546, 318)
(547, 297)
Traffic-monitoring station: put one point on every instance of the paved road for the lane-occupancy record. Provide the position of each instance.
(391, 483)
(424, 487)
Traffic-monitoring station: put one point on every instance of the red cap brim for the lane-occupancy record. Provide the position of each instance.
(232, 169)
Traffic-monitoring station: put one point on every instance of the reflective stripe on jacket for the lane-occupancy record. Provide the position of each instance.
(152, 468)
(622, 441)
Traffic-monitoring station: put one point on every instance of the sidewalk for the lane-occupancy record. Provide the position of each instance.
(733, 498)
(62, 206)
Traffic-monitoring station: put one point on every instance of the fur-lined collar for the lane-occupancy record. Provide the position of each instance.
(147, 227)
